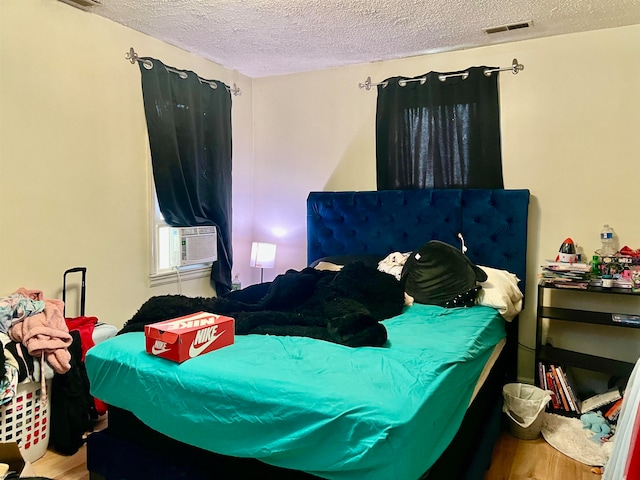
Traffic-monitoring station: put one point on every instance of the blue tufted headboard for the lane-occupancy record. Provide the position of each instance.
(492, 222)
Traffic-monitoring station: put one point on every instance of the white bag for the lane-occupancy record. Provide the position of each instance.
(523, 403)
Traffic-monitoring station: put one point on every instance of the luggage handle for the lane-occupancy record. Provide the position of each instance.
(82, 289)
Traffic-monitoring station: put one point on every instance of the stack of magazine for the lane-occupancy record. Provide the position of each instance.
(566, 275)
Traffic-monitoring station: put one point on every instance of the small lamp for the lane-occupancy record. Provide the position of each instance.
(263, 255)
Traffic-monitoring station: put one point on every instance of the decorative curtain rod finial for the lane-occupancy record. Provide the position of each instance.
(366, 85)
(131, 55)
(516, 67)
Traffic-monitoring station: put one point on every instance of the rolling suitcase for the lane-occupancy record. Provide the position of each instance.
(72, 406)
(83, 288)
(83, 324)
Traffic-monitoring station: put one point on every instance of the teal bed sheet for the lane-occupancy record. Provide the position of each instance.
(304, 404)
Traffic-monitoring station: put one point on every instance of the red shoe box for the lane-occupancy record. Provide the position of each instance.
(182, 338)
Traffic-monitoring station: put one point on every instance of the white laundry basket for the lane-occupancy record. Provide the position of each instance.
(25, 420)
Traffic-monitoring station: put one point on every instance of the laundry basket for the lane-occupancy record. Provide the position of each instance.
(25, 420)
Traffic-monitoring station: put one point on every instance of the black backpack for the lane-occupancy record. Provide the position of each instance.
(436, 273)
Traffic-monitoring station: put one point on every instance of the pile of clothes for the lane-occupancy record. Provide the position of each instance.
(33, 332)
(40, 345)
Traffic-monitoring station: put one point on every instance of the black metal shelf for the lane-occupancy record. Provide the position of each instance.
(552, 355)
(560, 356)
(582, 316)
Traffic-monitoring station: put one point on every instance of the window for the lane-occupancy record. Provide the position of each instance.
(439, 131)
(165, 262)
(189, 127)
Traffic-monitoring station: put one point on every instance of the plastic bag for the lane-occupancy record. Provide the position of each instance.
(523, 403)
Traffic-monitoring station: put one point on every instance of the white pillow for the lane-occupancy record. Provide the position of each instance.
(501, 292)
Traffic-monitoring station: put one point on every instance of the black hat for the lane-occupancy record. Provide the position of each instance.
(437, 272)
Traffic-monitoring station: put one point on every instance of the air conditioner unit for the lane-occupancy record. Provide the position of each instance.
(193, 245)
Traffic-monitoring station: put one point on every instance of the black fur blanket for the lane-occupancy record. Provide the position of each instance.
(343, 307)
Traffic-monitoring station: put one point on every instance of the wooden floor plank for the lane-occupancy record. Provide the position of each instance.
(503, 457)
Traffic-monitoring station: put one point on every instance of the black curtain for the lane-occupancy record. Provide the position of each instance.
(189, 126)
(439, 134)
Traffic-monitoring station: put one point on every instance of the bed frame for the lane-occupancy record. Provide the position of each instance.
(493, 224)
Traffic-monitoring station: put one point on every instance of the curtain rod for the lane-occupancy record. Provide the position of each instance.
(515, 68)
(133, 57)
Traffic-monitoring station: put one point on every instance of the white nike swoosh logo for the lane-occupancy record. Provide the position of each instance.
(158, 351)
(195, 351)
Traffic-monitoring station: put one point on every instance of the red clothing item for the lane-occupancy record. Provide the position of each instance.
(85, 326)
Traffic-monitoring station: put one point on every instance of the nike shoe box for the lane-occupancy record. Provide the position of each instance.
(182, 338)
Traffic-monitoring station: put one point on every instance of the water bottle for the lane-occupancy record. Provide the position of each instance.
(236, 285)
(606, 237)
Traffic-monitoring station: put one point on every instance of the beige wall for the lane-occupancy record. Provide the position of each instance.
(74, 165)
(570, 135)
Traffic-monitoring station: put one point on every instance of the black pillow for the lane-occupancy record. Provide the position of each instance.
(369, 260)
(437, 272)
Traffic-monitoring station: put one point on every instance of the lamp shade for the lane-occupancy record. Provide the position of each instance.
(263, 255)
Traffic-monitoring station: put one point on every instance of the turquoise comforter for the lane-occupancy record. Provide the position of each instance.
(330, 410)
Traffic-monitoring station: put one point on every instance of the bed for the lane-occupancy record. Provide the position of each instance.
(427, 404)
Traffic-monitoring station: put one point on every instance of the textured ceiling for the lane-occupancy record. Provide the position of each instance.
(263, 38)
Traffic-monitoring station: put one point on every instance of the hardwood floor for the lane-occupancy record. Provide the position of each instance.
(62, 467)
(59, 467)
(513, 459)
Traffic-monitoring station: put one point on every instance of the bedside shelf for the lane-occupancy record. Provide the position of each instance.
(568, 358)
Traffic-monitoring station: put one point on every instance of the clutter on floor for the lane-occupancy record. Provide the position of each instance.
(569, 436)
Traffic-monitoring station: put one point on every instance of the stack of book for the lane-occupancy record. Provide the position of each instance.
(613, 412)
(564, 400)
(553, 379)
(608, 403)
(566, 275)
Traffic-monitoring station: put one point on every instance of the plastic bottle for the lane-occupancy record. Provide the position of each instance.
(236, 285)
(606, 237)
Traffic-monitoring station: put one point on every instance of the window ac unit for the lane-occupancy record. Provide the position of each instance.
(193, 245)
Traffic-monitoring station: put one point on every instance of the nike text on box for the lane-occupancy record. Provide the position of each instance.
(182, 338)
